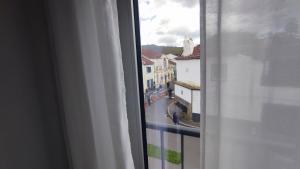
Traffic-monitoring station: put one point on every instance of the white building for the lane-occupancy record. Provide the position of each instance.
(188, 71)
(163, 72)
(187, 85)
(148, 73)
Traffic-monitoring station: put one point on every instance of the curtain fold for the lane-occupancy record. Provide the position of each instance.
(252, 85)
(91, 80)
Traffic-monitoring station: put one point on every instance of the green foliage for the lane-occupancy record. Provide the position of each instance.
(172, 50)
(165, 49)
(170, 155)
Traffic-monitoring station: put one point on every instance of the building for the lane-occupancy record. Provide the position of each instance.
(187, 84)
(172, 69)
(163, 72)
(148, 73)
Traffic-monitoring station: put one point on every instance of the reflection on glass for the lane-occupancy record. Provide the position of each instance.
(253, 109)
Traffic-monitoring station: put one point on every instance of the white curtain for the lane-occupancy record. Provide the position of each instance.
(252, 84)
(91, 79)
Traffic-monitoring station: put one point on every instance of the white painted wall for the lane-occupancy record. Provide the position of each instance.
(162, 71)
(147, 76)
(183, 93)
(196, 101)
(188, 71)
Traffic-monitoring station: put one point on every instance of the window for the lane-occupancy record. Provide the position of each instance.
(148, 69)
(170, 39)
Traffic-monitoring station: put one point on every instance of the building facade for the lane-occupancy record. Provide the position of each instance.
(163, 71)
(148, 74)
(187, 84)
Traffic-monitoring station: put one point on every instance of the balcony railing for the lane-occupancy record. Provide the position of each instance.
(176, 129)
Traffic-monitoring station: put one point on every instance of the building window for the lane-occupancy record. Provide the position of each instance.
(148, 69)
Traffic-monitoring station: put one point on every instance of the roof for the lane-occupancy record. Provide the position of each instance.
(151, 54)
(195, 54)
(188, 85)
(171, 56)
(146, 61)
(172, 62)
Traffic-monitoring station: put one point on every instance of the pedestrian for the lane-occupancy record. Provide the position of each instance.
(169, 90)
(175, 118)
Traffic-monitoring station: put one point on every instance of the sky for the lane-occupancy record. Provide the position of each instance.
(168, 22)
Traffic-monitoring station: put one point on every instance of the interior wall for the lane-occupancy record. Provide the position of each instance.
(30, 126)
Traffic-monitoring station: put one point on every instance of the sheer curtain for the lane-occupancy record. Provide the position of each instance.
(252, 84)
(91, 82)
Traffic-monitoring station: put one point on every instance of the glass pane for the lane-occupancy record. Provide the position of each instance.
(170, 54)
(252, 114)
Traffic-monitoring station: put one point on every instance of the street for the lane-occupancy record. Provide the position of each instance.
(157, 112)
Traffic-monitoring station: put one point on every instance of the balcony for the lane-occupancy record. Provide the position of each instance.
(189, 146)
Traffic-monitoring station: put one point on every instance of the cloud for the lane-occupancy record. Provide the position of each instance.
(183, 3)
(167, 40)
(164, 22)
(159, 3)
(149, 18)
(187, 3)
(185, 31)
(167, 22)
(160, 33)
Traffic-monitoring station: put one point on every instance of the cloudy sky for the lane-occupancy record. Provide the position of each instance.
(167, 22)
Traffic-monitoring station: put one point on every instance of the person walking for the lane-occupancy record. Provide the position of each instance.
(169, 89)
(175, 118)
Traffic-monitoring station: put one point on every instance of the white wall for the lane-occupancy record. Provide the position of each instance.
(196, 101)
(183, 93)
(161, 72)
(188, 71)
(147, 76)
(189, 96)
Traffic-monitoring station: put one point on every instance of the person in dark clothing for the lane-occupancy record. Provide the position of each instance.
(175, 118)
(169, 90)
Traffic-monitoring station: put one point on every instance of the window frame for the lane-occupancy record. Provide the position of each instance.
(148, 69)
(131, 50)
(129, 28)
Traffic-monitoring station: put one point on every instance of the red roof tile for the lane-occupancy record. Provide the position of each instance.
(146, 61)
(196, 52)
(151, 54)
